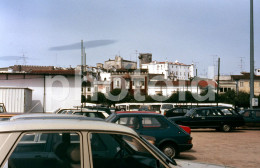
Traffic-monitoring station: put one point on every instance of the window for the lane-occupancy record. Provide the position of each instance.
(107, 89)
(131, 122)
(115, 151)
(213, 113)
(257, 113)
(241, 84)
(200, 113)
(246, 114)
(46, 150)
(152, 123)
(226, 111)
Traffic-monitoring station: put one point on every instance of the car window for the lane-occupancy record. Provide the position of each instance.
(43, 150)
(212, 112)
(131, 122)
(115, 151)
(152, 123)
(226, 112)
(199, 113)
(185, 110)
(246, 114)
(257, 113)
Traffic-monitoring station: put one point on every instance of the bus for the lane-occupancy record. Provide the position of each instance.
(162, 107)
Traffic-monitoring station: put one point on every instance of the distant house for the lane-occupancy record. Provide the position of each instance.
(119, 63)
(176, 70)
(239, 83)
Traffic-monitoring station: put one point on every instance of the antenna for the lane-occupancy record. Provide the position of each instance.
(241, 64)
(136, 53)
(215, 62)
(24, 58)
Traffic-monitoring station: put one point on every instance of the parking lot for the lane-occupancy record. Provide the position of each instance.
(239, 148)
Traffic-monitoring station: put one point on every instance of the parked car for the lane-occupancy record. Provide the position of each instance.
(178, 111)
(251, 117)
(165, 107)
(220, 118)
(169, 137)
(59, 143)
(2, 108)
(86, 112)
(7, 116)
(52, 116)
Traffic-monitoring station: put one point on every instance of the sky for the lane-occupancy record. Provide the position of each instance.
(48, 32)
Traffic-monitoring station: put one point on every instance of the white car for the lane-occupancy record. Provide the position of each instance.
(58, 143)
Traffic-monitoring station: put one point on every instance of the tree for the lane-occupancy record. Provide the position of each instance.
(242, 100)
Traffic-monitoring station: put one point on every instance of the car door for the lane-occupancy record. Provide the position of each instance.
(249, 118)
(153, 126)
(198, 119)
(30, 151)
(253, 118)
(131, 121)
(41, 150)
(257, 118)
(213, 118)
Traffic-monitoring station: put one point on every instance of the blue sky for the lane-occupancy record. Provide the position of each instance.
(48, 32)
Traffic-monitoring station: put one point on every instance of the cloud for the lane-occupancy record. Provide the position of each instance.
(10, 58)
(87, 44)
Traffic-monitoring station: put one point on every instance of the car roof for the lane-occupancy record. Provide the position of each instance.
(212, 107)
(62, 124)
(52, 116)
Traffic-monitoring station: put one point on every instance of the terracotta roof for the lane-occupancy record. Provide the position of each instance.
(54, 72)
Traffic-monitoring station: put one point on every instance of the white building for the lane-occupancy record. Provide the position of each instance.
(170, 70)
(50, 89)
(257, 72)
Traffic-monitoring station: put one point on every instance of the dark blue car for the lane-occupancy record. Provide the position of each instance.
(251, 117)
(169, 137)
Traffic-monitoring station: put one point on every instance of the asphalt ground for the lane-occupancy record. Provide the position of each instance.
(239, 148)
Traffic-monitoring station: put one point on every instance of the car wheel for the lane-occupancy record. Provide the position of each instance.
(170, 150)
(226, 128)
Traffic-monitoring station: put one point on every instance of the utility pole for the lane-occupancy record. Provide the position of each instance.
(218, 80)
(251, 54)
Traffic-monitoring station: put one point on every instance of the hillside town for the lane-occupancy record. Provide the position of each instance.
(48, 88)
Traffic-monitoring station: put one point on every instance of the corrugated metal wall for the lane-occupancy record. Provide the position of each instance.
(15, 99)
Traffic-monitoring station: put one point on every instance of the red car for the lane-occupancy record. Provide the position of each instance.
(185, 128)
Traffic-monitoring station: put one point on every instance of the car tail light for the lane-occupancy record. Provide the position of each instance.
(190, 141)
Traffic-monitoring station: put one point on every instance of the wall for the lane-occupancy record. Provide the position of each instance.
(60, 91)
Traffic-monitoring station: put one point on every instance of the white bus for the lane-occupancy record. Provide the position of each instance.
(162, 107)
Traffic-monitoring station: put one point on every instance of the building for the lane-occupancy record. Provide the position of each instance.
(239, 83)
(174, 71)
(130, 80)
(51, 89)
(119, 63)
(144, 58)
(169, 87)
